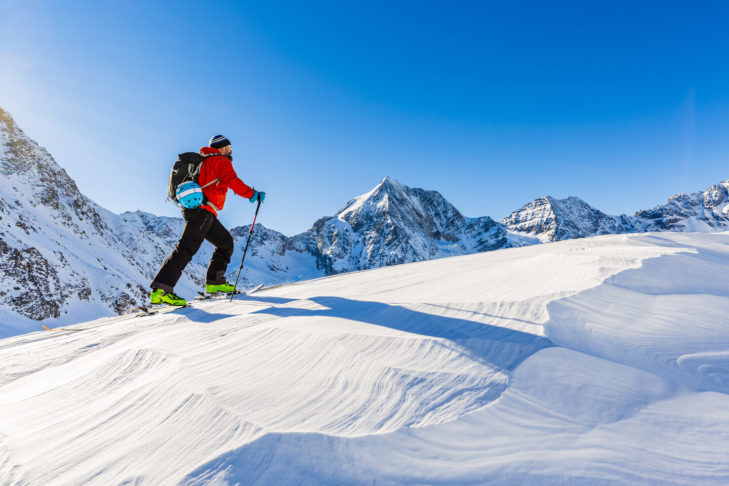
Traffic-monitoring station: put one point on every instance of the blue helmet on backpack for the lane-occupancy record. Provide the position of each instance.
(189, 194)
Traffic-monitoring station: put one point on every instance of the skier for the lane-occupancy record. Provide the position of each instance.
(201, 223)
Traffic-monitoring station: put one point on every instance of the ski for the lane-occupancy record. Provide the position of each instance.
(154, 309)
(283, 284)
(61, 329)
(215, 295)
(254, 289)
(221, 295)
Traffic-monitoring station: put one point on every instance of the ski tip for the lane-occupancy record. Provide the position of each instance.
(254, 289)
(62, 329)
(134, 310)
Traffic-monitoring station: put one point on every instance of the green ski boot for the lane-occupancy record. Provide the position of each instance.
(159, 296)
(225, 288)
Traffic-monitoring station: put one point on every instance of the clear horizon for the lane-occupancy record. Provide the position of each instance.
(619, 104)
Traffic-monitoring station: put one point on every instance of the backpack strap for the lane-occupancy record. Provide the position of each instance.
(215, 181)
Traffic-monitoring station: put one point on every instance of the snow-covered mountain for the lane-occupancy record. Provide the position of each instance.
(562, 219)
(701, 211)
(395, 224)
(65, 259)
(600, 361)
(551, 219)
(60, 253)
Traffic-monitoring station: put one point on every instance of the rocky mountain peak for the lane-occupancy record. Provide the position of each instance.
(559, 219)
(52, 238)
(18, 153)
(389, 185)
(716, 195)
(706, 210)
(400, 205)
(394, 223)
(378, 199)
(32, 175)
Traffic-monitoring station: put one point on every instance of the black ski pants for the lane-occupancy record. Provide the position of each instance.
(200, 225)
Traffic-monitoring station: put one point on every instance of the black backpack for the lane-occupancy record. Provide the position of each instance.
(186, 168)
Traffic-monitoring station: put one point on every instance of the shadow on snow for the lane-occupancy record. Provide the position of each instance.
(499, 347)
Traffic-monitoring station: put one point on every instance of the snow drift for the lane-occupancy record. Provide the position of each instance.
(603, 361)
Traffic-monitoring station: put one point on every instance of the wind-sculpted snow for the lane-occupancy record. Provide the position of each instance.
(598, 361)
(670, 317)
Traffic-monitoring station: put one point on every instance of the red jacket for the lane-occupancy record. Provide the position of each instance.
(219, 168)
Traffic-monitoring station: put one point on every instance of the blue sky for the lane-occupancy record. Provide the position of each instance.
(491, 103)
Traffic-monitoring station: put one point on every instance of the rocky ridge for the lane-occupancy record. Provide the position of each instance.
(395, 224)
(551, 219)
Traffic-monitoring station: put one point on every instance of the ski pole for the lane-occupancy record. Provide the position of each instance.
(250, 233)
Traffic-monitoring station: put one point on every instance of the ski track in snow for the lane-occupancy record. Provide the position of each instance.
(598, 361)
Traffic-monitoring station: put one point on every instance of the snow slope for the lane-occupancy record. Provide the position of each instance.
(602, 361)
